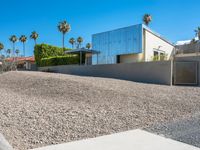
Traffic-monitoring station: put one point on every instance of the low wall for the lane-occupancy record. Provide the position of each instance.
(148, 72)
(190, 59)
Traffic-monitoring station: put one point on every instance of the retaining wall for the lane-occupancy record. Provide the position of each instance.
(148, 72)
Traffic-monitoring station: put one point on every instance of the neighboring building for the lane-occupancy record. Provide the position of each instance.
(130, 44)
(188, 48)
(23, 62)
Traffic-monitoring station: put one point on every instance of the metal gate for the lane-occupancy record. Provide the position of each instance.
(185, 73)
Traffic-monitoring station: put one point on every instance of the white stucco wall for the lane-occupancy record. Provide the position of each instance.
(132, 58)
(152, 42)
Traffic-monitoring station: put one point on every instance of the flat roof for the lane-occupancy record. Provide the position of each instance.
(83, 50)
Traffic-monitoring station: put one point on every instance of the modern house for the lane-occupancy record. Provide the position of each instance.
(130, 44)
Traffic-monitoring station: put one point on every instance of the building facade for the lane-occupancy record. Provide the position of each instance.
(130, 44)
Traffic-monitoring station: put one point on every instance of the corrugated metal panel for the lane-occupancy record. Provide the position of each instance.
(117, 42)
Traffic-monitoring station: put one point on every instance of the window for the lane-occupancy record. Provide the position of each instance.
(158, 55)
(162, 56)
(155, 53)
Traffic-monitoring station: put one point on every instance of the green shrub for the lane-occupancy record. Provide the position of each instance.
(59, 60)
(46, 51)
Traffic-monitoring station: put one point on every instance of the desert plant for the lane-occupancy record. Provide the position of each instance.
(34, 35)
(79, 41)
(23, 39)
(72, 41)
(147, 18)
(88, 45)
(64, 28)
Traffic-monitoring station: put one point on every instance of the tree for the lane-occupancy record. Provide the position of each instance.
(147, 18)
(8, 51)
(17, 52)
(88, 45)
(34, 35)
(72, 41)
(1, 47)
(193, 41)
(23, 39)
(197, 32)
(64, 28)
(13, 39)
(79, 41)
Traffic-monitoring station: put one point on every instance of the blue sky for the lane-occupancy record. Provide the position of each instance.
(173, 19)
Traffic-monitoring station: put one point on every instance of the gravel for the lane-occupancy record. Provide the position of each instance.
(184, 130)
(39, 109)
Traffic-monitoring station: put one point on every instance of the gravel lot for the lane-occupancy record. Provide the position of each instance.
(39, 109)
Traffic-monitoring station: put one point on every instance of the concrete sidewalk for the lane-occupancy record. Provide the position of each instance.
(136, 139)
(4, 145)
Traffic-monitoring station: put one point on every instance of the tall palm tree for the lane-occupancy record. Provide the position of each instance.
(88, 45)
(197, 31)
(147, 18)
(17, 52)
(72, 41)
(79, 41)
(13, 39)
(64, 28)
(23, 39)
(1, 47)
(8, 51)
(34, 35)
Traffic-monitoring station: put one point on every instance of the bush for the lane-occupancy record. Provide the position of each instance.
(59, 60)
(42, 51)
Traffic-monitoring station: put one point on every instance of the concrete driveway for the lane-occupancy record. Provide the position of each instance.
(136, 139)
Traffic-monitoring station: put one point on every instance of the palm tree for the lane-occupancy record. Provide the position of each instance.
(197, 31)
(13, 39)
(72, 41)
(193, 41)
(8, 51)
(79, 41)
(23, 39)
(88, 45)
(17, 52)
(1, 47)
(147, 18)
(64, 27)
(34, 35)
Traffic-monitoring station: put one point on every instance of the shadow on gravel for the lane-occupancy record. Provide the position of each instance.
(185, 130)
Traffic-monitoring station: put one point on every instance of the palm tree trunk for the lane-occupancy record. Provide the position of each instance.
(24, 49)
(35, 41)
(63, 41)
(13, 51)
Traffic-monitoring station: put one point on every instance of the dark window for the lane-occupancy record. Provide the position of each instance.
(118, 59)
(155, 53)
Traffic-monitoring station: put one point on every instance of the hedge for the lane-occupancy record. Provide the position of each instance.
(42, 51)
(59, 60)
